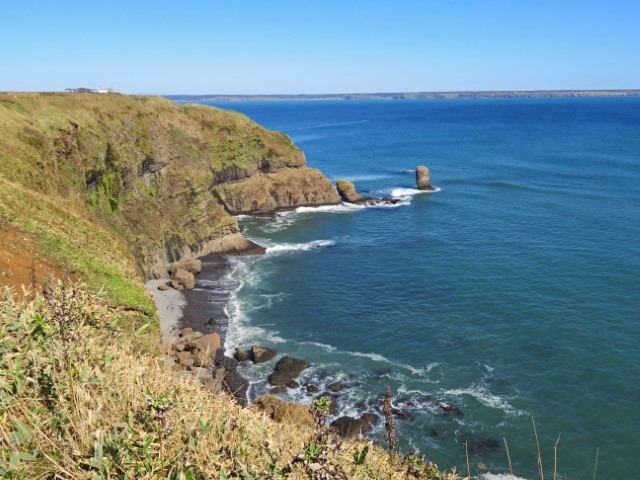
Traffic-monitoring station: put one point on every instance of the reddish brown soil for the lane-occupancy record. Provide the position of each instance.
(18, 255)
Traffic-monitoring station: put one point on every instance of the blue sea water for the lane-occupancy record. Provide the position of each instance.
(511, 293)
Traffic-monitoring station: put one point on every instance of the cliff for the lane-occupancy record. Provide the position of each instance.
(161, 179)
(106, 190)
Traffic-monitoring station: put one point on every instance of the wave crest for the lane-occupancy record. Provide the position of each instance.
(298, 247)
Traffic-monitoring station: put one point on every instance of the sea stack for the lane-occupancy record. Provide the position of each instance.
(423, 178)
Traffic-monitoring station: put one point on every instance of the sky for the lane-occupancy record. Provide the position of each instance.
(329, 46)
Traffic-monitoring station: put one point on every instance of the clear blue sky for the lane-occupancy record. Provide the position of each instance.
(273, 46)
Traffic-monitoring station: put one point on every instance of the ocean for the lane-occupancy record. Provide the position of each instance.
(511, 293)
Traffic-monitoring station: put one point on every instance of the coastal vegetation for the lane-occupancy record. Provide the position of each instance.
(97, 194)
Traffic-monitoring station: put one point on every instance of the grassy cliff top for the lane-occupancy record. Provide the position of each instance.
(106, 186)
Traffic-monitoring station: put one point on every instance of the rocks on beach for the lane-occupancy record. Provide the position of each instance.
(183, 274)
(194, 349)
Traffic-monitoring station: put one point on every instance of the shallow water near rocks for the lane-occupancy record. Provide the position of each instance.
(511, 293)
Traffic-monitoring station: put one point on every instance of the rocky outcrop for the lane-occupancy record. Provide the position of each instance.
(347, 191)
(423, 178)
(266, 193)
(286, 370)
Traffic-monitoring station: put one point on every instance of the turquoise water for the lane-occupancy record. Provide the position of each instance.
(511, 293)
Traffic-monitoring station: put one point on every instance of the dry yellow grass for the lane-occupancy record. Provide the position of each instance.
(79, 401)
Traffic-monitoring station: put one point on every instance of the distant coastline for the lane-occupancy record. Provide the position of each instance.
(407, 95)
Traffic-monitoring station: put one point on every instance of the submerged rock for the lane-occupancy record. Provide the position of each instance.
(423, 178)
(450, 409)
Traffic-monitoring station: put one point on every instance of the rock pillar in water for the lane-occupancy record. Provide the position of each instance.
(423, 178)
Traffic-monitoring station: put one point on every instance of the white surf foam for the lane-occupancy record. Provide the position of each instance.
(406, 192)
(485, 397)
(300, 247)
(500, 476)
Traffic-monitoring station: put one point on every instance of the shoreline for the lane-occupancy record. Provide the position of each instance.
(203, 308)
(170, 305)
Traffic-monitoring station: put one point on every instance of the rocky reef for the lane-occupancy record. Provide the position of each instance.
(348, 193)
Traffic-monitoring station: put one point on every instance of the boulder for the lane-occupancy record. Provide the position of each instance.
(423, 178)
(163, 287)
(337, 386)
(286, 370)
(185, 359)
(183, 279)
(401, 414)
(349, 426)
(312, 388)
(278, 390)
(450, 409)
(236, 385)
(189, 336)
(207, 344)
(189, 264)
(202, 359)
(242, 355)
(347, 191)
(262, 354)
(221, 361)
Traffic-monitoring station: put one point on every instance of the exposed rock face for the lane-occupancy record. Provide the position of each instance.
(423, 178)
(347, 191)
(286, 370)
(262, 354)
(264, 193)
